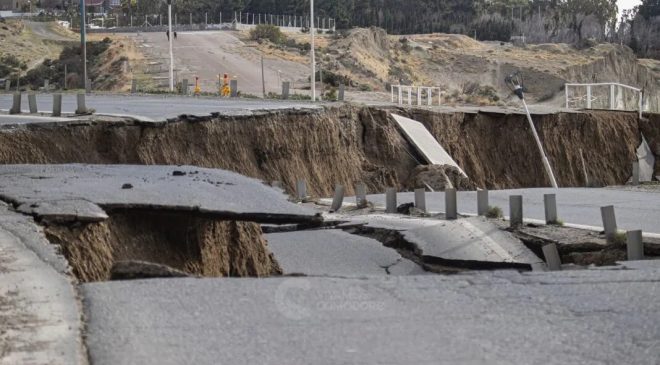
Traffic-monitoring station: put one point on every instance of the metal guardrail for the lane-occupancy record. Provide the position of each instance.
(418, 92)
(612, 95)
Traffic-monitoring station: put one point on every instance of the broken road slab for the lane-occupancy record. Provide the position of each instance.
(18, 120)
(472, 240)
(425, 143)
(646, 160)
(578, 317)
(336, 253)
(55, 190)
(70, 210)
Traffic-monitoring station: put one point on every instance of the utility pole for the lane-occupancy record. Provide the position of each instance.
(263, 77)
(83, 40)
(311, 30)
(321, 80)
(169, 21)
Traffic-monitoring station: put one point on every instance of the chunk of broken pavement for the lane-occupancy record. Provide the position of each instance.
(133, 270)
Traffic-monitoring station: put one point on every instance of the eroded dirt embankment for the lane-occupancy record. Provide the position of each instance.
(194, 245)
(497, 150)
(353, 144)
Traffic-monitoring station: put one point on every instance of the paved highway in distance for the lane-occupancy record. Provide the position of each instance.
(579, 206)
(158, 107)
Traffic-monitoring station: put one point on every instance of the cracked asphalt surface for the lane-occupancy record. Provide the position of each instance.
(336, 253)
(73, 190)
(587, 317)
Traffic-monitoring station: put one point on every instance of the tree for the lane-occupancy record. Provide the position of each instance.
(578, 12)
(494, 27)
(269, 32)
(645, 29)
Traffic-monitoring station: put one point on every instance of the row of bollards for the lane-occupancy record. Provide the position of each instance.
(46, 87)
(516, 209)
(338, 198)
(57, 104)
(633, 239)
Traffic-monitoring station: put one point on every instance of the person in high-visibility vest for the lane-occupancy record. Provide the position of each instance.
(226, 89)
(198, 89)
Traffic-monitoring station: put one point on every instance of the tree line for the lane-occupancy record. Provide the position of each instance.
(540, 21)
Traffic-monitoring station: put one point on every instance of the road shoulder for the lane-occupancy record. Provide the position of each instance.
(40, 316)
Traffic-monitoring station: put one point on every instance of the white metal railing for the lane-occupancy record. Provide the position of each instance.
(297, 22)
(613, 89)
(398, 92)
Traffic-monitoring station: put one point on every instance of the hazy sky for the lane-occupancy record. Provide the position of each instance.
(627, 4)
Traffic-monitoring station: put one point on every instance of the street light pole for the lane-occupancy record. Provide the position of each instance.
(169, 21)
(83, 40)
(516, 83)
(311, 30)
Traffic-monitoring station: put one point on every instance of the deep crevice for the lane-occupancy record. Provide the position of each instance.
(395, 240)
(196, 245)
(583, 253)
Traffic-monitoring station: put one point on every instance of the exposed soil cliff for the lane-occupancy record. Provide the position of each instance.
(193, 245)
(353, 144)
(498, 151)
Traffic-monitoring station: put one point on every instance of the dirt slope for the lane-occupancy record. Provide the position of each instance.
(209, 54)
(353, 144)
(196, 246)
(457, 62)
(498, 150)
(472, 72)
(33, 42)
(115, 68)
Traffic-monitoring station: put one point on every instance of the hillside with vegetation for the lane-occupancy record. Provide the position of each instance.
(580, 22)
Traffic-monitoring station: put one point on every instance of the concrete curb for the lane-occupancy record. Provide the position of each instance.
(44, 311)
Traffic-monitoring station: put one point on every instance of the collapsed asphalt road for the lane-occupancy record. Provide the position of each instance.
(349, 299)
(337, 314)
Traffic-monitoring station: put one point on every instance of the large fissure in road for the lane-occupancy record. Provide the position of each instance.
(337, 145)
(351, 144)
(198, 246)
